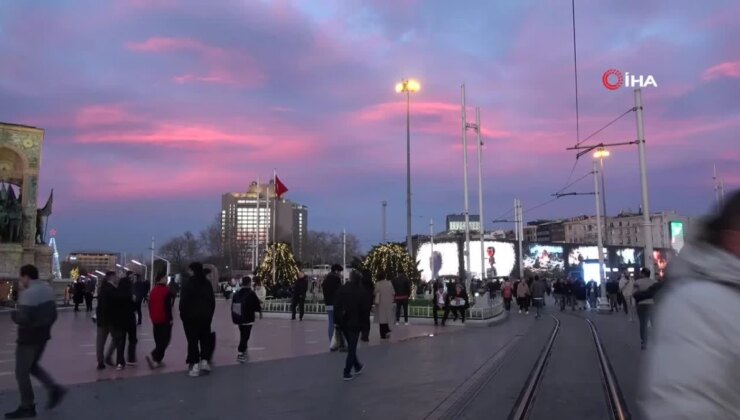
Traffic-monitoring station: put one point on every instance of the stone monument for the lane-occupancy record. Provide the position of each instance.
(22, 223)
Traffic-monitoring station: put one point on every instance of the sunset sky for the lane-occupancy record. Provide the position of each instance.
(154, 108)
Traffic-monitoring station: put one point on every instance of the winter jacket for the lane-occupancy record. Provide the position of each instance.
(197, 301)
(612, 287)
(627, 286)
(691, 369)
(384, 302)
(331, 284)
(558, 288)
(539, 289)
(118, 308)
(351, 309)
(103, 310)
(300, 288)
(141, 288)
(35, 313)
(128, 312)
(160, 305)
(244, 304)
(402, 287)
(642, 294)
(522, 290)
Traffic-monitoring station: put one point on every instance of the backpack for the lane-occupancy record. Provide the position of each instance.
(237, 309)
(507, 292)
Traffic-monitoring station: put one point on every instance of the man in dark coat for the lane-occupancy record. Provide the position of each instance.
(300, 288)
(141, 290)
(402, 289)
(329, 287)
(128, 312)
(197, 305)
(351, 315)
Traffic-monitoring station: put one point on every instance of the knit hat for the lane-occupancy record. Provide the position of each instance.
(196, 267)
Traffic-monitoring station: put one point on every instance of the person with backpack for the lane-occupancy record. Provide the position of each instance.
(35, 313)
(244, 305)
(507, 293)
(160, 312)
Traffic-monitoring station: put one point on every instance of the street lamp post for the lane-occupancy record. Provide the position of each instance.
(600, 154)
(408, 86)
(146, 269)
(157, 257)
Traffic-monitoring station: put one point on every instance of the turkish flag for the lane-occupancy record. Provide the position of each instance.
(280, 188)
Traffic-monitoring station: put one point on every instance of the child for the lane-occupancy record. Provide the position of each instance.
(244, 304)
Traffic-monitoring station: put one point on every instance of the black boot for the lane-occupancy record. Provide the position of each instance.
(22, 413)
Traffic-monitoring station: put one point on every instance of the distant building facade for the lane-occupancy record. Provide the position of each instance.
(456, 222)
(94, 260)
(626, 229)
(546, 231)
(248, 224)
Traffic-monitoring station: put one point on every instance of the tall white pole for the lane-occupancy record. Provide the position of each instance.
(255, 261)
(431, 240)
(385, 226)
(646, 225)
(409, 244)
(482, 225)
(274, 227)
(151, 272)
(519, 217)
(465, 190)
(603, 302)
(344, 254)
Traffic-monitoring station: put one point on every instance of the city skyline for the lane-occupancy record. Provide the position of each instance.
(153, 108)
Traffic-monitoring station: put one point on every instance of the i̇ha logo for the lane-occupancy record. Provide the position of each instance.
(613, 80)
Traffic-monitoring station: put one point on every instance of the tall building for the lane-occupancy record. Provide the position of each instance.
(626, 229)
(456, 222)
(247, 225)
(546, 231)
(92, 261)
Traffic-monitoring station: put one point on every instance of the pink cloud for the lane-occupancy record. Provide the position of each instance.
(730, 69)
(100, 115)
(222, 66)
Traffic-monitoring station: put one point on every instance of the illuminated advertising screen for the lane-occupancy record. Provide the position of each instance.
(546, 259)
(577, 255)
(444, 262)
(677, 235)
(627, 256)
(500, 258)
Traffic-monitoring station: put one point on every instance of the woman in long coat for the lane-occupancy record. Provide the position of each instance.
(384, 315)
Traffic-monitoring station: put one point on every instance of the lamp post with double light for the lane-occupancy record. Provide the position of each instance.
(146, 269)
(600, 154)
(408, 86)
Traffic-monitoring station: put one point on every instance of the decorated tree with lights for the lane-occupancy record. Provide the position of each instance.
(385, 260)
(285, 265)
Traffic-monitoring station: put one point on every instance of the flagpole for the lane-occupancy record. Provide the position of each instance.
(274, 227)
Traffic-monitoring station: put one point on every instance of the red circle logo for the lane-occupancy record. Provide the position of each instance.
(608, 84)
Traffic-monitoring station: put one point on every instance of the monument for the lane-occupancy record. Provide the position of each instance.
(22, 222)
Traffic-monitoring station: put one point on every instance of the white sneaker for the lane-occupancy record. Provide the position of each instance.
(194, 370)
(406, 323)
(241, 357)
(520, 311)
(205, 367)
(396, 322)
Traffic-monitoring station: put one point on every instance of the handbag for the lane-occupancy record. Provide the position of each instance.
(337, 340)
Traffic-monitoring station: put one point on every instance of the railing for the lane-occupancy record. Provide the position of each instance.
(486, 312)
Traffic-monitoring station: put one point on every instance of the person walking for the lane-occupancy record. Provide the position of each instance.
(128, 312)
(78, 293)
(35, 314)
(104, 319)
(351, 312)
(384, 296)
(507, 292)
(402, 290)
(690, 371)
(645, 303)
(197, 305)
(300, 288)
(522, 297)
(259, 290)
(90, 285)
(439, 299)
(612, 292)
(457, 303)
(627, 289)
(332, 282)
(141, 290)
(244, 305)
(539, 289)
(558, 290)
(160, 312)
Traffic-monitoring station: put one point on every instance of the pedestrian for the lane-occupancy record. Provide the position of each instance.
(35, 313)
(384, 296)
(457, 303)
(690, 372)
(259, 290)
(160, 312)
(612, 292)
(332, 282)
(580, 293)
(402, 293)
(558, 291)
(645, 304)
(197, 305)
(522, 297)
(627, 289)
(351, 312)
(78, 293)
(128, 312)
(141, 289)
(244, 305)
(367, 283)
(300, 288)
(104, 320)
(439, 300)
(507, 292)
(593, 294)
(90, 285)
(539, 289)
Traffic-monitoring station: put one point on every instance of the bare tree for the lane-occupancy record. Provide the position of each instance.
(326, 248)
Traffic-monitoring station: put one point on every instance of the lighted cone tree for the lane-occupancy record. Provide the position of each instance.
(285, 265)
(385, 260)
